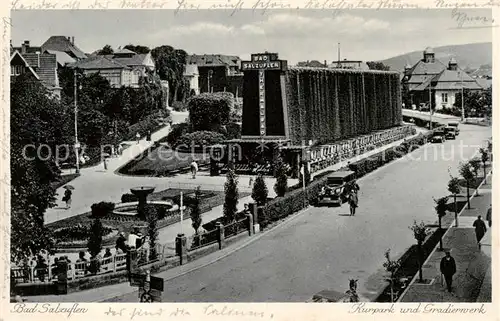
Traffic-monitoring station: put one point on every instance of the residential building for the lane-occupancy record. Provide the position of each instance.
(122, 68)
(349, 64)
(43, 66)
(431, 80)
(218, 73)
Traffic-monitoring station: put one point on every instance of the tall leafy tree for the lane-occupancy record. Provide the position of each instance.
(196, 211)
(106, 50)
(210, 111)
(377, 65)
(454, 189)
(170, 64)
(281, 185)
(152, 221)
(231, 195)
(441, 207)
(37, 122)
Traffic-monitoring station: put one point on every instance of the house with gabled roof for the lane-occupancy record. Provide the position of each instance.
(43, 66)
(122, 68)
(431, 80)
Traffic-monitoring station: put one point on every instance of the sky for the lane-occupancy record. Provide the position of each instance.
(297, 35)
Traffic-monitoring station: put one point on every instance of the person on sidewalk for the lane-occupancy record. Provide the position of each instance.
(353, 202)
(480, 229)
(194, 168)
(67, 197)
(448, 269)
(121, 244)
(138, 137)
(488, 216)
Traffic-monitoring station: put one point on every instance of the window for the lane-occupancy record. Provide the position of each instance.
(16, 70)
(444, 97)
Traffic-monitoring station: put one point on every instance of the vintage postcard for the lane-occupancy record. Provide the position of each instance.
(222, 160)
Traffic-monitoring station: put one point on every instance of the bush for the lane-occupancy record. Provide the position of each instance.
(200, 138)
(179, 106)
(128, 198)
(102, 209)
(176, 132)
(77, 232)
(209, 111)
(148, 123)
(259, 191)
(233, 131)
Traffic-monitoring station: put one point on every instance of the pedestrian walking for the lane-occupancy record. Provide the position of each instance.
(108, 253)
(250, 181)
(67, 197)
(120, 149)
(148, 136)
(448, 269)
(480, 229)
(138, 137)
(353, 202)
(105, 162)
(194, 168)
(488, 216)
(121, 243)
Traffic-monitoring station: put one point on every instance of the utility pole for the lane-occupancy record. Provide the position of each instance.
(462, 85)
(338, 56)
(77, 144)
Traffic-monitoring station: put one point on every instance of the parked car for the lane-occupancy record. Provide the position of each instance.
(336, 190)
(438, 137)
(450, 132)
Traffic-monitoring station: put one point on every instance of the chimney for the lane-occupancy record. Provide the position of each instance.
(69, 39)
(25, 46)
(38, 58)
(73, 40)
(326, 64)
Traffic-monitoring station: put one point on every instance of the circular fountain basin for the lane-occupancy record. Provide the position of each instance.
(131, 207)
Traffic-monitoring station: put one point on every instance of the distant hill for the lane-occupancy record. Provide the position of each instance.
(469, 56)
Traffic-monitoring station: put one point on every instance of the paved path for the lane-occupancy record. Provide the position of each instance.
(472, 263)
(322, 248)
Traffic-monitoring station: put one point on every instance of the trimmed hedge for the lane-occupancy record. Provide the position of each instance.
(128, 198)
(200, 138)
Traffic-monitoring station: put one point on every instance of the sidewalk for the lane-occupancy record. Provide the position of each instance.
(473, 263)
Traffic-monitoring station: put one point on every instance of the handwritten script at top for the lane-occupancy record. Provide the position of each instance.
(261, 5)
(209, 310)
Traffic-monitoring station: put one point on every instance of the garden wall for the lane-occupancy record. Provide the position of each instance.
(328, 105)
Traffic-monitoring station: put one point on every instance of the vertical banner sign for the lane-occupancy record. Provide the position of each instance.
(262, 102)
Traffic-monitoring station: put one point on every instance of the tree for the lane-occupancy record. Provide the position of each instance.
(281, 185)
(485, 157)
(475, 165)
(137, 49)
(454, 189)
(231, 195)
(259, 191)
(468, 176)
(391, 266)
(419, 233)
(170, 65)
(37, 122)
(210, 111)
(196, 211)
(377, 65)
(476, 103)
(152, 220)
(106, 50)
(441, 207)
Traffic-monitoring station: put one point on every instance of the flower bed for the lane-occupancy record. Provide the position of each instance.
(78, 235)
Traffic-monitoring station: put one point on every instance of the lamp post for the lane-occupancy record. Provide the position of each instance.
(462, 85)
(77, 144)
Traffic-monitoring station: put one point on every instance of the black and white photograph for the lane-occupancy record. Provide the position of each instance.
(310, 155)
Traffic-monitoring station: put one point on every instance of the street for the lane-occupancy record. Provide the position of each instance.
(323, 248)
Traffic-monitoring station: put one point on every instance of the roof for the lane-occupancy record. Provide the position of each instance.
(99, 62)
(213, 60)
(124, 51)
(424, 68)
(62, 43)
(191, 70)
(485, 83)
(43, 66)
(448, 80)
(428, 50)
(62, 57)
(28, 49)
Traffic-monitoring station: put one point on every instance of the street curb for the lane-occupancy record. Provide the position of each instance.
(452, 224)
